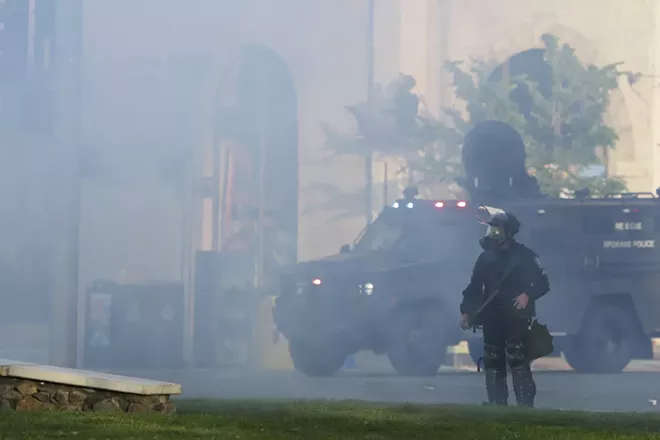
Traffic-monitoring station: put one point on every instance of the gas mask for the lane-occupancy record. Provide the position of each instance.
(494, 219)
(494, 239)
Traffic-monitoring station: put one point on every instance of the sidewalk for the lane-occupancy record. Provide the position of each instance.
(459, 359)
(559, 364)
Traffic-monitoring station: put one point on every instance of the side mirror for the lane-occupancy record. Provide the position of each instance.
(345, 249)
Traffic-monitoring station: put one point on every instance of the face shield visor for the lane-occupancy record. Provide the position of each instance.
(487, 215)
(495, 233)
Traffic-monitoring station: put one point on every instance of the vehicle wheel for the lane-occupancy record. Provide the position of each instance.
(574, 357)
(476, 349)
(316, 359)
(417, 346)
(605, 343)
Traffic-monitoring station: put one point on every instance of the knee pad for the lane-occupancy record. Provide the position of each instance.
(494, 356)
(515, 354)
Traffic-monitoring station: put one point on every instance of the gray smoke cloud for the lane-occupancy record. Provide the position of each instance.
(155, 77)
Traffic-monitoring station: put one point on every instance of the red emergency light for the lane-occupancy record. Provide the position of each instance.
(459, 204)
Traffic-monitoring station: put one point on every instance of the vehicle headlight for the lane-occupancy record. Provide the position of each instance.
(367, 288)
(302, 287)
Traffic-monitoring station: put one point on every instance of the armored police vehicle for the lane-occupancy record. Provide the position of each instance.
(396, 290)
(383, 293)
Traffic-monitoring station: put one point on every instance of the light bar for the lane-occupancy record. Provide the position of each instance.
(439, 204)
(461, 204)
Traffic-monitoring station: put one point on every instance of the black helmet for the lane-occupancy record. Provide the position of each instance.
(502, 226)
(499, 218)
(508, 222)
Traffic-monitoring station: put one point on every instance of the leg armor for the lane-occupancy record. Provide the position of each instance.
(495, 369)
(521, 373)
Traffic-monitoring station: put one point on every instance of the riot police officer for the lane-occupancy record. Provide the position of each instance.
(506, 281)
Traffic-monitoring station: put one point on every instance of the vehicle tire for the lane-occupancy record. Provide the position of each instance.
(418, 342)
(605, 343)
(574, 357)
(476, 349)
(316, 359)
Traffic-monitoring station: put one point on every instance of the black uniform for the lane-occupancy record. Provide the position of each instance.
(504, 326)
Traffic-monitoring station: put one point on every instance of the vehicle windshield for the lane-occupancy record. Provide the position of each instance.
(420, 235)
(449, 239)
(382, 234)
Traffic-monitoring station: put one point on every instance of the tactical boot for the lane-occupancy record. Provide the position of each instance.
(496, 388)
(524, 386)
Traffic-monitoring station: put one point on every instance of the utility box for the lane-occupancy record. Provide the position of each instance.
(134, 326)
(224, 309)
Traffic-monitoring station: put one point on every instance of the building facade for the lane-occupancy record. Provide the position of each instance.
(160, 74)
(623, 32)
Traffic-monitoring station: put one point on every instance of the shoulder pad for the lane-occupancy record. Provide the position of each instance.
(537, 260)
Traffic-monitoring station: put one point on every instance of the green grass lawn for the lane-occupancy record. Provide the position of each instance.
(329, 421)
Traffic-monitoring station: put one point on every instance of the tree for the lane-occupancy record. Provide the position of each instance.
(392, 128)
(558, 107)
(548, 95)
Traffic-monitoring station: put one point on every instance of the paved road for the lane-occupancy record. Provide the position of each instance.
(629, 391)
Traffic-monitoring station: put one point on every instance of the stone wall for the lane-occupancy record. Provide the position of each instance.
(27, 395)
